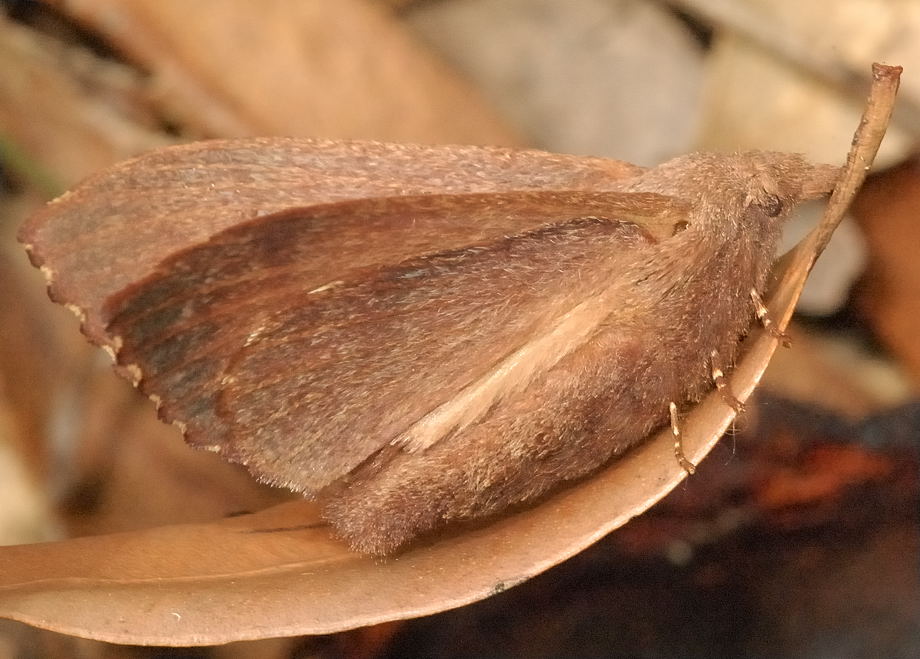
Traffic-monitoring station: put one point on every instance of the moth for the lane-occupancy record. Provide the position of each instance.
(415, 335)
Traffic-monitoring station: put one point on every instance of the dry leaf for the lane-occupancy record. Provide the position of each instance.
(54, 108)
(889, 294)
(345, 69)
(831, 373)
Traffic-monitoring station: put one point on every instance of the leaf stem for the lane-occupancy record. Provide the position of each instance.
(866, 141)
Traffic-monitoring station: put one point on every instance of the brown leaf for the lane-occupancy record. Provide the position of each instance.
(28, 351)
(278, 572)
(131, 471)
(56, 107)
(889, 295)
(818, 369)
(345, 69)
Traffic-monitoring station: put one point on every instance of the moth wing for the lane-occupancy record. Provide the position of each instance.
(118, 225)
(301, 343)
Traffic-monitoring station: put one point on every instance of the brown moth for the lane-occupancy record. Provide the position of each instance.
(415, 335)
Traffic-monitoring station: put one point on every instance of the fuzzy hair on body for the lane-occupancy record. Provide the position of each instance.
(412, 358)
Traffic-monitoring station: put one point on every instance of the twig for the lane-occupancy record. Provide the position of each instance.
(866, 141)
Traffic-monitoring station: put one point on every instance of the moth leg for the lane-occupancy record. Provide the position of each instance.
(763, 315)
(682, 460)
(718, 377)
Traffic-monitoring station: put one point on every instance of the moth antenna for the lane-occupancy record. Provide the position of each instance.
(718, 377)
(763, 315)
(682, 460)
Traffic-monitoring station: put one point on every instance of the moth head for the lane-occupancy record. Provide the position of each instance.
(753, 187)
(777, 182)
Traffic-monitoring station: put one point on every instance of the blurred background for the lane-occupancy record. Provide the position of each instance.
(799, 535)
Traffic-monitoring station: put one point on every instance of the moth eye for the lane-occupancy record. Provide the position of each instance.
(771, 205)
(680, 226)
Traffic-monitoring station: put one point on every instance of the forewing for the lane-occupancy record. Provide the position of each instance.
(301, 343)
(114, 228)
